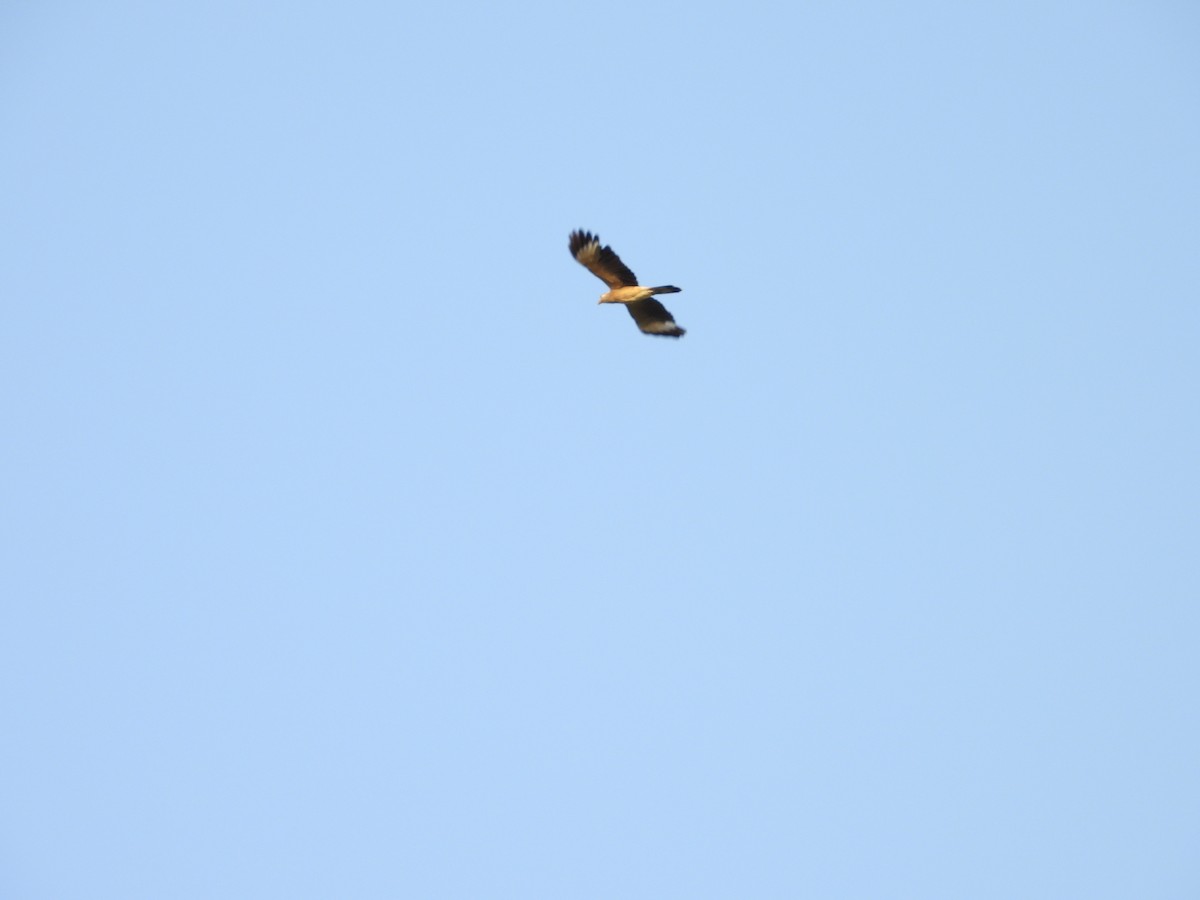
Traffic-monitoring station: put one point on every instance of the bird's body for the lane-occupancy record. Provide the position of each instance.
(635, 293)
(650, 315)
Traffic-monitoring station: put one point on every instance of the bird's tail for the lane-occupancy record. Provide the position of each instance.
(665, 289)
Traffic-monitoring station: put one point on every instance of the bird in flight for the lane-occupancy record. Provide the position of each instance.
(651, 316)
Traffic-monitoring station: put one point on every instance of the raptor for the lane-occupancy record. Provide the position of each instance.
(650, 315)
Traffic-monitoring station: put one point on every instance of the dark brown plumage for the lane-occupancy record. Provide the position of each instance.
(602, 262)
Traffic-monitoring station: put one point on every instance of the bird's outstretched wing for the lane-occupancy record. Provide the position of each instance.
(652, 317)
(601, 261)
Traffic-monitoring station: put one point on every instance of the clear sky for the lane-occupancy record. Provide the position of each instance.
(350, 549)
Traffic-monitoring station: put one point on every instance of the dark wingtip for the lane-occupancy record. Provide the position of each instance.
(579, 239)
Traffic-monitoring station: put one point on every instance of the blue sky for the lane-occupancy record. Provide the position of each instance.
(351, 550)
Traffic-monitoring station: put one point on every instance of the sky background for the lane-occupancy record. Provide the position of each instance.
(349, 549)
